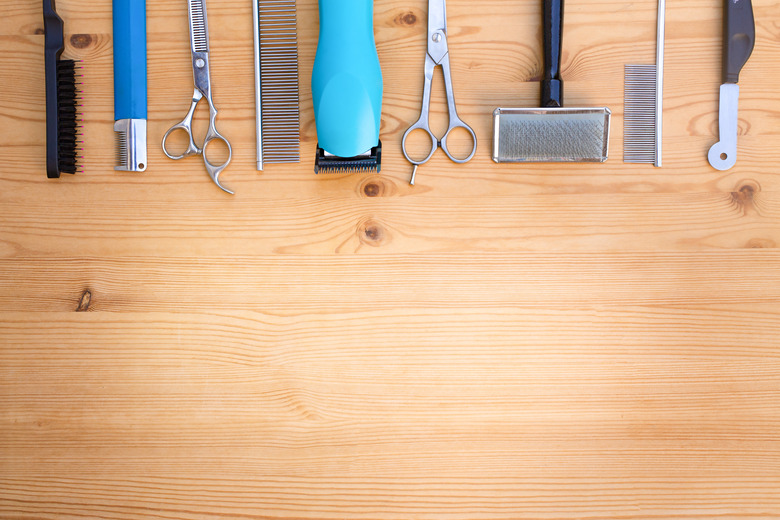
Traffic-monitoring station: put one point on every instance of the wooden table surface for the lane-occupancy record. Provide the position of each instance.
(497, 342)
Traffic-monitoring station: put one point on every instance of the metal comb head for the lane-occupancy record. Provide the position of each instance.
(551, 134)
(641, 125)
(276, 82)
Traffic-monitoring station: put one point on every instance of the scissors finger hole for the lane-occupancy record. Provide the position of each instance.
(216, 151)
(460, 143)
(418, 145)
(177, 142)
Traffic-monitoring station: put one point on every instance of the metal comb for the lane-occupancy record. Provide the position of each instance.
(276, 82)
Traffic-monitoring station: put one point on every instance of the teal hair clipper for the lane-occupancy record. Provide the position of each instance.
(346, 86)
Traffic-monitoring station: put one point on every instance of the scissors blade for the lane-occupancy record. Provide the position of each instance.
(437, 17)
(199, 28)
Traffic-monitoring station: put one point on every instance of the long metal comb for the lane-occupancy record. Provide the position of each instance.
(276, 82)
(643, 104)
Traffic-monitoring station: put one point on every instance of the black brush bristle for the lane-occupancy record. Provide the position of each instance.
(62, 99)
(68, 124)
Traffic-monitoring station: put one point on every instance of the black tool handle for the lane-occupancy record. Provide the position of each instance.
(552, 24)
(739, 37)
(54, 40)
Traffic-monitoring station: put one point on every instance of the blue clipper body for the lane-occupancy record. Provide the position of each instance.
(347, 88)
(130, 83)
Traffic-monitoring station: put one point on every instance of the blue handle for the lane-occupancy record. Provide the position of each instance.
(347, 79)
(129, 59)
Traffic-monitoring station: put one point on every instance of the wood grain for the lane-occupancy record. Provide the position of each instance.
(497, 342)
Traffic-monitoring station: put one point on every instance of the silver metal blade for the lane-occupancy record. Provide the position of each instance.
(130, 145)
(437, 16)
(723, 155)
(199, 28)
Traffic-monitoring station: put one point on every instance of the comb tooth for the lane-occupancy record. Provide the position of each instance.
(639, 130)
(121, 148)
(279, 81)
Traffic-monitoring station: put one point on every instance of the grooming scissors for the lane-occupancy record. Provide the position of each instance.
(437, 54)
(199, 37)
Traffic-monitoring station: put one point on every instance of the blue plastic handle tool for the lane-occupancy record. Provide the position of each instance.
(347, 79)
(129, 59)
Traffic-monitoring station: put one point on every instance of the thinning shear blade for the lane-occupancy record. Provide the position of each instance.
(199, 40)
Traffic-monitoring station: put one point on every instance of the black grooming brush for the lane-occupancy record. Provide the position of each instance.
(62, 96)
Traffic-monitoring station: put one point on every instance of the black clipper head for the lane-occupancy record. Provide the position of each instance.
(369, 161)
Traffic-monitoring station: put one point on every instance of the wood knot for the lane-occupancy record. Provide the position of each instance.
(408, 18)
(375, 187)
(372, 189)
(84, 301)
(371, 233)
(81, 41)
(745, 193)
(39, 30)
(761, 243)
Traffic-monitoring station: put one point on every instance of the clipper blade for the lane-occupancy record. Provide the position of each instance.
(130, 145)
(369, 161)
(551, 134)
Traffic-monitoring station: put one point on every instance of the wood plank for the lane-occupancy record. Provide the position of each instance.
(332, 418)
(292, 284)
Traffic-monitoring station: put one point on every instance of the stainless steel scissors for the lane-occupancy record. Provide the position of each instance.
(438, 54)
(199, 37)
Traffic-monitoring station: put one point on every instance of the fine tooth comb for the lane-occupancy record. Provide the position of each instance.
(62, 99)
(276, 82)
(643, 102)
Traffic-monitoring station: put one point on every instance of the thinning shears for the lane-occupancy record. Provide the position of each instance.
(437, 54)
(199, 37)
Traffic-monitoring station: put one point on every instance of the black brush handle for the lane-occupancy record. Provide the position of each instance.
(739, 37)
(552, 24)
(54, 40)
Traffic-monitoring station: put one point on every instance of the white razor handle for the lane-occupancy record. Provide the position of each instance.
(723, 154)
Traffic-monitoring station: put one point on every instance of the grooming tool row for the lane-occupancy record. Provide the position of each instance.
(347, 91)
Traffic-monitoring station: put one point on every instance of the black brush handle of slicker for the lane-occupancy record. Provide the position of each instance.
(552, 24)
(739, 34)
(54, 43)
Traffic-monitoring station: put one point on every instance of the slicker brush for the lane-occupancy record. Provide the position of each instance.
(551, 132)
